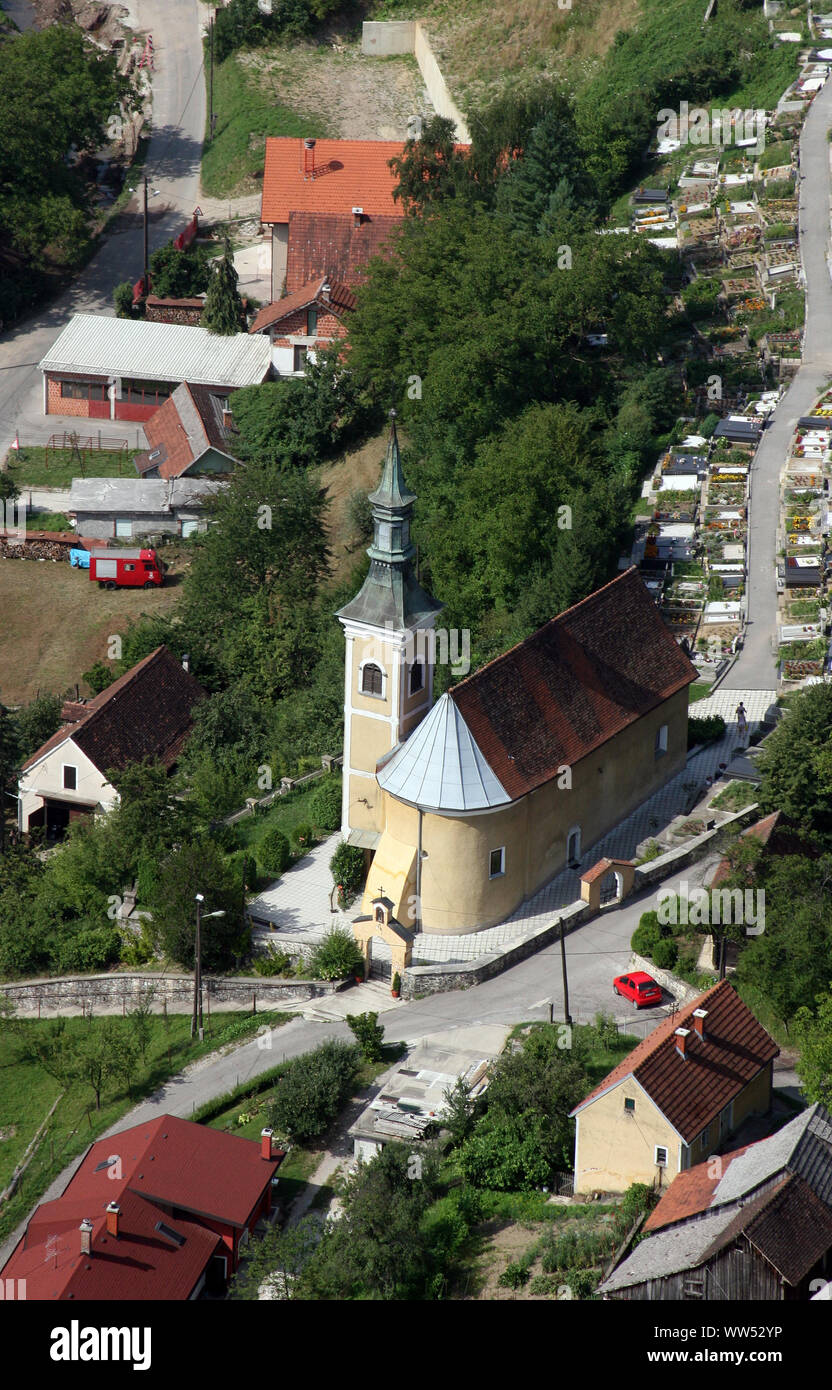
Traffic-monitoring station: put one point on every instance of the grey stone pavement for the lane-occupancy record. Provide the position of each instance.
(755, 666)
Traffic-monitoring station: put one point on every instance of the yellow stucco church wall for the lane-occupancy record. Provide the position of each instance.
(458, 894)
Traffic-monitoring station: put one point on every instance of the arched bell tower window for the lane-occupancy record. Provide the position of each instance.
(417, 677)
(372, 679)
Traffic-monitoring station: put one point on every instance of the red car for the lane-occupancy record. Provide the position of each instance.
(640, 988)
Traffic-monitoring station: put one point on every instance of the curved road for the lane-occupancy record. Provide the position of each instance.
(178, 124)
(754, 669)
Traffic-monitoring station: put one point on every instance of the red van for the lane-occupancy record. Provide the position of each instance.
(126, 569)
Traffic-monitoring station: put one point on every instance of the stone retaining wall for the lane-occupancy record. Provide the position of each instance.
(108, 992)
(437, 979)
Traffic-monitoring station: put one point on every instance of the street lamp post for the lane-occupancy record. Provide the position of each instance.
(196, 1020)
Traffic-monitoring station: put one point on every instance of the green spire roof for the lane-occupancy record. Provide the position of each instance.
(392, 492)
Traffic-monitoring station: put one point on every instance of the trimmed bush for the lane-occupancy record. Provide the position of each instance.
(347, 868)
(274, 854)
(303, 836)
(312, 1089)
(325, 805)
(705, 730)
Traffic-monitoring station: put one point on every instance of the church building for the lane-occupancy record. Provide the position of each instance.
(470, 805)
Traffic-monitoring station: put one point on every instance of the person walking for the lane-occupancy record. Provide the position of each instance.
(742, 721)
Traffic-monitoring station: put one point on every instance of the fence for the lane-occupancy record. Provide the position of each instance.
(287, 784)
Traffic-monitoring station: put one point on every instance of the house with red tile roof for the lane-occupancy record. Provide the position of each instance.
(349, 178)
(304, 323)
(518, 769)
(676, 1097)
(145, 714)
(337, 245)
(752, 1223)
(160, 1211)
(190, 435)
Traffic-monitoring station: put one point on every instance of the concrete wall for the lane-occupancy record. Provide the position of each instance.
(110, 993)
(166, 523)
(379, 39)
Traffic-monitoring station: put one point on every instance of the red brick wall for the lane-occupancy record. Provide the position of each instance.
(56, 404)
(328, 326)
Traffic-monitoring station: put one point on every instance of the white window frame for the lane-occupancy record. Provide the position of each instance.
(660, 742)
(74, 767)
(368, 694)
(122, 535)
(661, 1148)
(501, 850)
(629, 1105)
(192, 525)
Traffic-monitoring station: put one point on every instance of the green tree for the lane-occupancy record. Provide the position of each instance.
(198, 867)
(813, 1033)
(796, 763)
(179, 274)
(335, 956)
(312, 1089)
(99, 676)
(368, 1033)
(430, 168)
(224, 313)
(123, 300)
(274, 852)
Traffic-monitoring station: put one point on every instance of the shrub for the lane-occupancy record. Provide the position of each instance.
(123, 300)
(396, 983)
(705, 730)
(325, 805)
(273, 852)
(336, 956)
(272, 963)
(347, 868)
(646, 938)
(709, 424)
(368, 1033)
(312, 1090)
(303, 836)
(514, 1276)
(665, 953)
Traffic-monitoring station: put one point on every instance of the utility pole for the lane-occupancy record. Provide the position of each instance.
(146, 281)
(566, 1015)
(197, 1014)
(211, 117)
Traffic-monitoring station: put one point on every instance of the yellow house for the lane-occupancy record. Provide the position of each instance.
(472, 804)
(674, 1099)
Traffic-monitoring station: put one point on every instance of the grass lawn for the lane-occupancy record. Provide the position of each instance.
(735, 797)
(233, 161)
(698, 691)
(285, 813)
(47, 521)
(29, 466)
(27, 1092)
(56, 622)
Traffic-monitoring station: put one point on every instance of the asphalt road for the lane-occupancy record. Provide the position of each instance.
(755, 667)
(173, 170)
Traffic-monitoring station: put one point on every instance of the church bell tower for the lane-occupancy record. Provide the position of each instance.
(388, 687)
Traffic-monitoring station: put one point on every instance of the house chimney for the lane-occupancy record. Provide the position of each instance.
(699, 1016)
(357, 214)
(682, 1035)
(113, 1214)
(266, 1143)
(186, 662)
(86, 1236)
(326, 290)
(308, 158)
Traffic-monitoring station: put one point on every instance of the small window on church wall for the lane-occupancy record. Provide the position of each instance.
(371, 679)
(417, 677)
(660, 742)
(497, 862)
